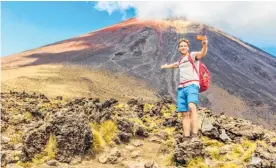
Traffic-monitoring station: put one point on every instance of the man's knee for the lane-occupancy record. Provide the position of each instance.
(185, 115)
(192, 106)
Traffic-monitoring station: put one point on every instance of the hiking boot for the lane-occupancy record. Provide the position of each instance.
(186, 138)
(196, 136)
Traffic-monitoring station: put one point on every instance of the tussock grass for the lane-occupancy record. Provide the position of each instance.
(103, 134)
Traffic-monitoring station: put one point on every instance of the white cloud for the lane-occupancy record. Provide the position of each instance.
(254, 22)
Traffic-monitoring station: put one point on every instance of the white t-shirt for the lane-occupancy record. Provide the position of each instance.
(187, 72)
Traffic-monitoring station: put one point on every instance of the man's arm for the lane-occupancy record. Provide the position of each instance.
(204, 49)
(173, 65)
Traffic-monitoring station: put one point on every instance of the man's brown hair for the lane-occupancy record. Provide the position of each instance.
(183, 40)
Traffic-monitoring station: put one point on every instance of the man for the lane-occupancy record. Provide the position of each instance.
(188, 89)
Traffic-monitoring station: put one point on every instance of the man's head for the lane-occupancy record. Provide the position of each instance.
(183, 46)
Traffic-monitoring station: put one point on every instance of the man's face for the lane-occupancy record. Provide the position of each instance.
(183, 48)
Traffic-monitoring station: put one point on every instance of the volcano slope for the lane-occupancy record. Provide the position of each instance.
(243, 76)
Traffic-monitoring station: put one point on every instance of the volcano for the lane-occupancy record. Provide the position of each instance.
(243, 76)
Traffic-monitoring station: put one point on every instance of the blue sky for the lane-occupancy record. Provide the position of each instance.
(28, 25)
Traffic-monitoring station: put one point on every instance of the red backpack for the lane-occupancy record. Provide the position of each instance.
(204, 75)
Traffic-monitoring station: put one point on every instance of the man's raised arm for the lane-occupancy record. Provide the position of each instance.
(204, 49)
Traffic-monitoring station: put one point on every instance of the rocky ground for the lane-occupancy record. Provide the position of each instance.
(87, 132)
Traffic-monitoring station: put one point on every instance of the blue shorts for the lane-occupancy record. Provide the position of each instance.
(185, 96)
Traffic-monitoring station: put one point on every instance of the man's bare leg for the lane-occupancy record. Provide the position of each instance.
(193, 117)
(186, 123)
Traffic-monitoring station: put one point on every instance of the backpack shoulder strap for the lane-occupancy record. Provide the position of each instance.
(192, 62)
(180, 61)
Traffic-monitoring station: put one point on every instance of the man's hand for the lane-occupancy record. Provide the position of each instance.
(204, 49)
(173, 65)
(205, 41)
(164, 66)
